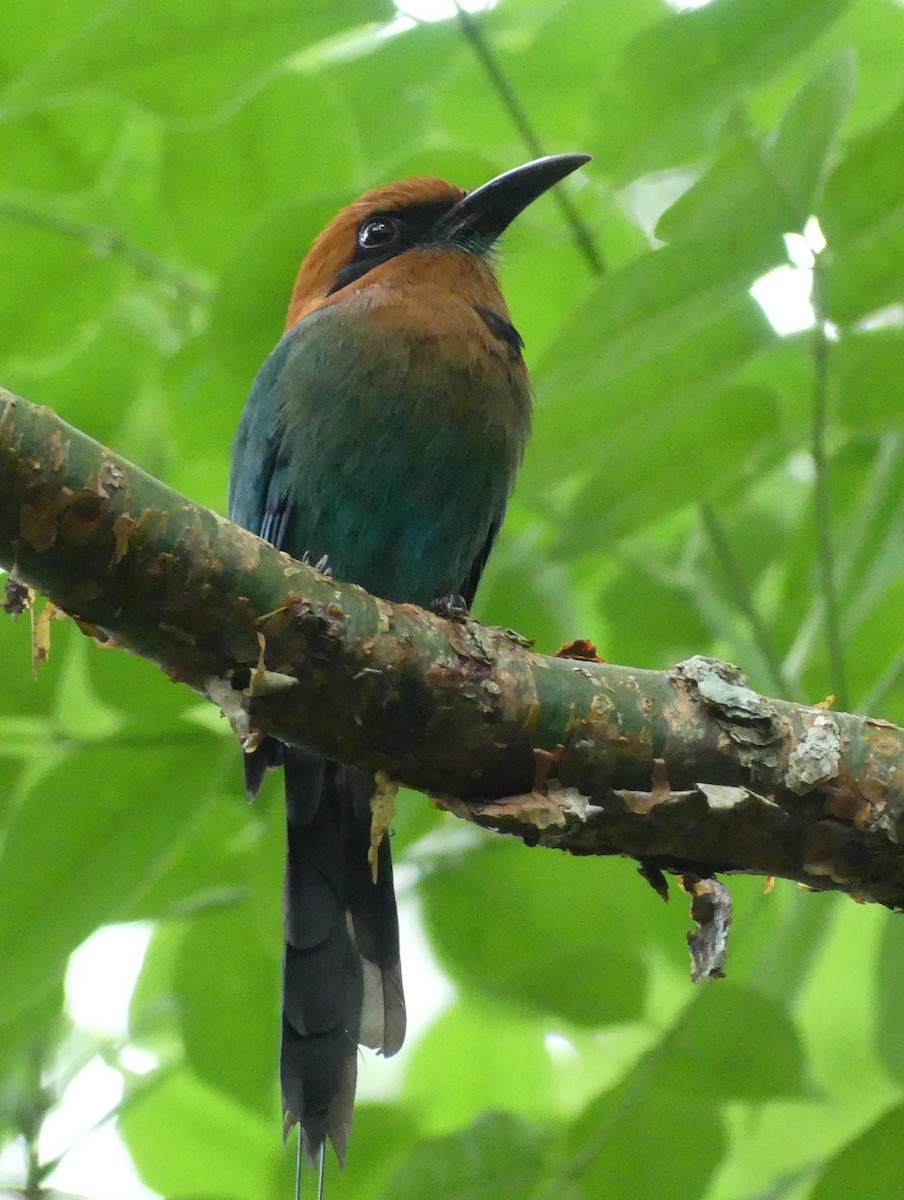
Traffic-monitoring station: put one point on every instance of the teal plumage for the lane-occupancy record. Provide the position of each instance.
(384, 432)
(398, 467)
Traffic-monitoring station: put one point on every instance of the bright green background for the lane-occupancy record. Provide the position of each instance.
(163, 166)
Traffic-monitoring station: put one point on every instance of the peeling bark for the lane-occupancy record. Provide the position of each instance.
(686, 770)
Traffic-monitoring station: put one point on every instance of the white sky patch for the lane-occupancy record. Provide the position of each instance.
(800, 254)
(440, 10)
(891, 317)
(646, 199)
(137, 1060)
(428, 992)
(561, 1049)
(101, 977)
(91, 1096)
(802, 466)
(99, 984)
(12, 1163)
(814, 236)
(100, 1167)
(785, 293)
(784, 296)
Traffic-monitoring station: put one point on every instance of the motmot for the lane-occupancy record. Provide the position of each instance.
(382, 435)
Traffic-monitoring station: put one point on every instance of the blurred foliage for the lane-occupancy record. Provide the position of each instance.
(163, 167)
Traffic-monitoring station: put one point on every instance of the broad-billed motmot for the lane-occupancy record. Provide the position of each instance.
(383, 433)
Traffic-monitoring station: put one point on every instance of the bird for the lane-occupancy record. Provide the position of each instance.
(380, 440)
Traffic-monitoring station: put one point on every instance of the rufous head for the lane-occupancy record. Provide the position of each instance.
(419, 213)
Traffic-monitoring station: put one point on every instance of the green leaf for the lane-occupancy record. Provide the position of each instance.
(414, 818)
(634, 1142)
(675, 83)
(863, 219)
(525, 588)
(245, 163)
(700, 1057)
(545, 48)
(227, 987)
(153, 1014)
(891, 996)
(110, 360)
(633, 594)
(209, 867)
(479, 1056)
(40, 323)
(81, 712)
(875, 33)
(739, 205)
(182, 59)
(187, 1139)
(870, 367)
(60, 149)
(871, 1160)
(561, 935)
(801, 927)
(408, 68)
(26, 1041)
(804, 144)
(754, 193)
(249, 309)
(80, 846)
(496, 1157)
(651, 353)
(152, 705)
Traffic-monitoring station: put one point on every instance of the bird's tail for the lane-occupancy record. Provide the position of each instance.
(342, 983)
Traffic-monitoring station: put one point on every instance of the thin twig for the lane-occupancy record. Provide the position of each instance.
(30, 1120)
(822, 492)
(857, 529)
(107, 243)
(740, 592)
(473, 33)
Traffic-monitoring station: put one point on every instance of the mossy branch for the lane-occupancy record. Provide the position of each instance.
(685, 770)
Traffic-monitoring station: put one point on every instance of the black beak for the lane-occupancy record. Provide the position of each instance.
(487, 211)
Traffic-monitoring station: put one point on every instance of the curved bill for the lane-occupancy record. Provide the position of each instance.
(490, 209)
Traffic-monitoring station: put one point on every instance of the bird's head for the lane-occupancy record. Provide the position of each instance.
(420, 213)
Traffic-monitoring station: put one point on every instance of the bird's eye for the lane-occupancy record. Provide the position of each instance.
(377, 233)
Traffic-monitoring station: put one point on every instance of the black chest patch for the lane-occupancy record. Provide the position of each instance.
(504, 330)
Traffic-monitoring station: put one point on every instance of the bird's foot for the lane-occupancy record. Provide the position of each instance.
(452, 608)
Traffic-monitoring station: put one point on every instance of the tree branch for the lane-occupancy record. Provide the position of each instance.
(685, 770)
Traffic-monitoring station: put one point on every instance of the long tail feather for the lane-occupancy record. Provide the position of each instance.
(342, 978)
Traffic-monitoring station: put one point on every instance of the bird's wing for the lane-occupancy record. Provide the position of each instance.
(472, 579)
(259, 484)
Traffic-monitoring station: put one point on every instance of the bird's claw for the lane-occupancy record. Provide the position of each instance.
(321, 565)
